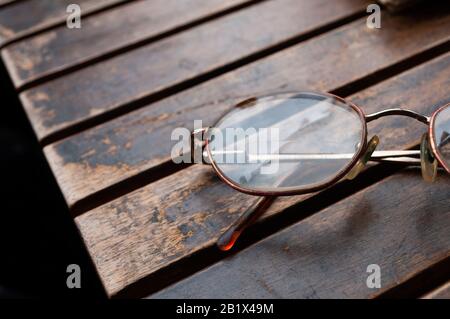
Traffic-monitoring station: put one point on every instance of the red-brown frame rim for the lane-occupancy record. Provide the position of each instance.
(434, 147)
(304, 190)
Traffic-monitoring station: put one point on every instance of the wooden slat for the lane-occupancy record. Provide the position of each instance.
(401, 224)
(87, 163)
(157, 225)
(143, 72)
(442, 292)
(28, 16)
(5, 2)
(398, 5)
(63, 48)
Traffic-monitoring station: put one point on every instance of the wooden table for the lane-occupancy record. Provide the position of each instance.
(104, 99)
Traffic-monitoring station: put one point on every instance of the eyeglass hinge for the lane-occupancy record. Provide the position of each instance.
(198, 146)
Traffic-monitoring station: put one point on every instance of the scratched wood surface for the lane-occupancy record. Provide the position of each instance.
(154, 68)
(185, 212)
(62, 48)
(140, 141)
(104, 101)
(327, 254)
(20, 18)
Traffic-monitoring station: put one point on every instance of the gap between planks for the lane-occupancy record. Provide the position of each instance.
(46, 76)
(168, 168)
(43, 27)
(158, 95)
(144, 175)
(112, 218)
(210, 255)
(326, 255)
(4, 3)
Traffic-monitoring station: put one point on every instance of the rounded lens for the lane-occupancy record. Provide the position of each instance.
(286, 143)
(441, 136)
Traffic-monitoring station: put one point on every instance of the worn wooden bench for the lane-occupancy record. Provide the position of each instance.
(104, 99)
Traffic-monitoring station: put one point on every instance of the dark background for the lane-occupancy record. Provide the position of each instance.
(38, 238)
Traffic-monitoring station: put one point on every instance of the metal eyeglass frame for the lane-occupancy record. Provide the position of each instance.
(428, 158)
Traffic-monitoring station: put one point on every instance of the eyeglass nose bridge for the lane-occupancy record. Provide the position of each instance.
(398, 111)
(428, 162)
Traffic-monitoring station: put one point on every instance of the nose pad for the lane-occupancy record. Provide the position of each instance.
(428, 162)
(359, 166)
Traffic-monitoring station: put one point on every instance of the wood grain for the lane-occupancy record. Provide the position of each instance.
(89, 162)
(26, 17)
(148, 70)
(63, 48)
(166, 221)
(327, 255)
(442, 292)
(398, 5)
(5, 2)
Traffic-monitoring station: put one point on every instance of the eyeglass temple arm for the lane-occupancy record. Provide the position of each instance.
(227, 240)
(410, 157)
(229, 237)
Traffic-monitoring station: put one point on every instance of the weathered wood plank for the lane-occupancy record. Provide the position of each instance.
(62, 48)
(442, 292)
(145, 71)
(5, 2)
(327, 254)
(157, 225)
(25, 17)
(98, 158)
(398, 5)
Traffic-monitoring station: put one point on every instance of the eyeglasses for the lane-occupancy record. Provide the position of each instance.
(297, 143)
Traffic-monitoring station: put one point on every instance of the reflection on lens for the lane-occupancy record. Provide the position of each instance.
(442, 136)
(286, 142)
